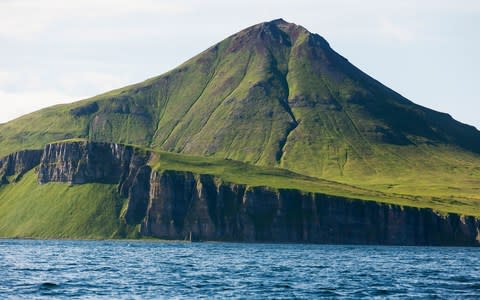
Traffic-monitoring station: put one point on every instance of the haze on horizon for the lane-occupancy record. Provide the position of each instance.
(62, 52)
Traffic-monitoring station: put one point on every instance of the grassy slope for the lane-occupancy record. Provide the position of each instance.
(57, 210)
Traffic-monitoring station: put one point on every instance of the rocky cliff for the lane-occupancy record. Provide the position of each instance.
(182, 205)
(17, 164)
(83, 162)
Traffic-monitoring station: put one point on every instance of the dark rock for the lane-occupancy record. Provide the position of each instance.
(85, 110)
(138, 195)
(18, 163)
(83, 162)
(389, 136)
(182, 203)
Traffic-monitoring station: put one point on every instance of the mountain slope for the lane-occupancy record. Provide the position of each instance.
(275, 94)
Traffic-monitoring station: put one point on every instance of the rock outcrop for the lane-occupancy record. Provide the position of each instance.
(83, 162)
(18, 163)
(182, 205)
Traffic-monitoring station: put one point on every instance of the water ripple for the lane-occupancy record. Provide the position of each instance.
(151, 270)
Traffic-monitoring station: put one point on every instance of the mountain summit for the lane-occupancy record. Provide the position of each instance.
(273, 94)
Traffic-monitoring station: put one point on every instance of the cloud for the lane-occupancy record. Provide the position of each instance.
(26, 102)
(15, 80)
(7, 78)
(392, 31)
(91, 81)
(24, 19)
(25, 93)
(74, 81)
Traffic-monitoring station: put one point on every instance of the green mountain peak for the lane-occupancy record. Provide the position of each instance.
(273, 95)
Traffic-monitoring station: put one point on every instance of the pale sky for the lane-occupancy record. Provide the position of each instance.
(55, 51)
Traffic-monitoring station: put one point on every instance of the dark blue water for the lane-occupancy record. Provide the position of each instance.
(145, 270)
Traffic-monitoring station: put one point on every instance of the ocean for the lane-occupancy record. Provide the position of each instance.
(46, 269)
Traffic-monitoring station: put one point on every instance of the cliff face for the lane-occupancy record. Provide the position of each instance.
(81, 162)
(179, 205)
(17, 164)
(183, 203)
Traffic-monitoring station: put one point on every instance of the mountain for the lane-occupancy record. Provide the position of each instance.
(278, 97)
(273, 94)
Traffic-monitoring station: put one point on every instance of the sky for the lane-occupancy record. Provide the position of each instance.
(63, 51)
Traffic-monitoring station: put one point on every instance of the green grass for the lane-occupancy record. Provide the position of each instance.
(251, 175)
(57, 210)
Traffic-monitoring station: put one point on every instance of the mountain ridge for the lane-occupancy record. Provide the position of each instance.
(273, 94)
